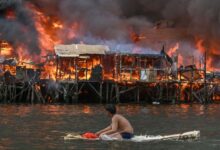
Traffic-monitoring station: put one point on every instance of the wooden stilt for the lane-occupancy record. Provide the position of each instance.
(107, 92)
(9, 93)
(77, 92)
(57, 61)
(86, 69)
(111, 93)
(160, 91)
(21, 95)
(138, 94)
(117, 93)
(100, 91)
(167, 90)
(32, 94)
(28, 94)
(5, 94)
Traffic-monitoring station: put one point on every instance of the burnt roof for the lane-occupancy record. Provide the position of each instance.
(75, 50)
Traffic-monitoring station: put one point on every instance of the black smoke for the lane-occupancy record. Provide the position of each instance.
(20, 30)
(113, 19)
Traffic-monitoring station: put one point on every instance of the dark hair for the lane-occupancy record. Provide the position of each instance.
(110, 108)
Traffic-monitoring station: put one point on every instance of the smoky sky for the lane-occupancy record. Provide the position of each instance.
(112, 19)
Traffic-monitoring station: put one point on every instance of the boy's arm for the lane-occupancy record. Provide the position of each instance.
(104, 130)
(114, 127)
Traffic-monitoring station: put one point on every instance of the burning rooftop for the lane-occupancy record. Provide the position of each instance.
(75, 50)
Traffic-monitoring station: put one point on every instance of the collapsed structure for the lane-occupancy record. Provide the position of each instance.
(96, 73)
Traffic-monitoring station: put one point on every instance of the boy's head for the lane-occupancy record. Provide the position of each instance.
(110, 108)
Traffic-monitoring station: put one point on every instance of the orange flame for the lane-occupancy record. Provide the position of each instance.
(46, 27)
(5, 49)
(10, 14)
(173, 50)
(211, 50)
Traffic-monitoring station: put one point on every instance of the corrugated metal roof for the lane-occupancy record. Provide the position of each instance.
(75, 50)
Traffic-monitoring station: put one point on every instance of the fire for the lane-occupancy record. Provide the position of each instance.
(49, 72)
(22, 52)
(50, 30)
(72, 34)
(199, 45)
(47, 28)
(5, 49)
(135, 37)
(173, 50)
(210, 51)
(57, 25)
(10, 15)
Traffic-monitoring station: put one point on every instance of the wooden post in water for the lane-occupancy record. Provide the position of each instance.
(32, 94)
(60, 66)
(21, 94)
(167, 90)
(76, 80)
(138, 94)
(116, 67)
(205, 77)
(107, 92)
(57, 61)
(28, 94)
(100, 92)
(5, 94)
(9, 93)
(86, 69)
(70, 65)
(120, 66)
(117, 93)
(193, 78)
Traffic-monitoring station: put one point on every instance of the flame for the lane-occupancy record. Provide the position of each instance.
(47, 28)
(10, 15)
(72, 34)
(135, 37)
(51, 74)
(173, 50)
(199, 45)
(57, 25)
(212, 49)
(52, 31)
(5, 49)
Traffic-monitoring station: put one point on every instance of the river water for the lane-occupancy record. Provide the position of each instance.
(43, 126)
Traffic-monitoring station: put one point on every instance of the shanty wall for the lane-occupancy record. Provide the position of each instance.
(117, 67)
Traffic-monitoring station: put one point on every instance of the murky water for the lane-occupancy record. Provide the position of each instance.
(43, 126)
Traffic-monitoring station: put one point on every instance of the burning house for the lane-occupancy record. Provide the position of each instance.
(120, 58)
(81, 70)
(80, 62)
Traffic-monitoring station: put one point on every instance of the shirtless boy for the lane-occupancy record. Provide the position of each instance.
(120, 128)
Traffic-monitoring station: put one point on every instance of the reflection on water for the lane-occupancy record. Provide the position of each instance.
(43, 126)
(86, 109)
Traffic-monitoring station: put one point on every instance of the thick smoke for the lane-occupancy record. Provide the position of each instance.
(114, 20)
(19, 30)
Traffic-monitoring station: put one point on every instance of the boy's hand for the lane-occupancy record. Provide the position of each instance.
(97, 133)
